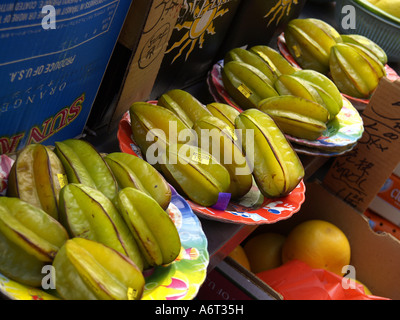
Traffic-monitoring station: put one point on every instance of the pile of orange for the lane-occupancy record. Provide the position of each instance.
(318, 243)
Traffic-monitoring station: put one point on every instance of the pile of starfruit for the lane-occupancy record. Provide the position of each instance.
(354, 62)
(98, 220)
(213, 152)
(302, 102)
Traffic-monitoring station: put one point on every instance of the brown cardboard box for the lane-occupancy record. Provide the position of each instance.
(230, 281)
(376, 257)
(136, 60)
(387, 202)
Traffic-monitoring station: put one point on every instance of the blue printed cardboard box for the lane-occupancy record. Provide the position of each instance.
(51, 66)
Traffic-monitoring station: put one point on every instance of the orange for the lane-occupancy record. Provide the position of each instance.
(318, 243)
(240, 256)
(264, 251)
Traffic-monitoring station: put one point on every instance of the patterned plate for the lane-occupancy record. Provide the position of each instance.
(180, 280)
(341, 133)
(358, 103)
(252, 209)
(319, 152)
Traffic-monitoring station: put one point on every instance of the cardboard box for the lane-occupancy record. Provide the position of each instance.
(257, 22)
(136, 60)
(375, 256)
(197, 36)
(387, 202)
(380, 224)
(51, 66)
(230, 281)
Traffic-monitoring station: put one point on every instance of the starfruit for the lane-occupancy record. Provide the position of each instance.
(155, 127)
(154, 231)
(309, 41)
(224, 112)
(290, 85)
(246, 84)
(195, 173)
(354, 71)
(366, 43)
(332, 100)
(277, 62)
(88, 213)
(132, 171)
(83, 164)
(29, 239)
(36, 177)
(248, 57)
(184, 105)
(89, 270)
(310, 86)
(218, 139)
(277, 168)
(296, 116)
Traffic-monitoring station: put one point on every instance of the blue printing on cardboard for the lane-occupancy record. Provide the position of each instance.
(49, 78)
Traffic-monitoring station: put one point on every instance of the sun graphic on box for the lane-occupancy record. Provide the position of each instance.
(281, 8)
(198, 28)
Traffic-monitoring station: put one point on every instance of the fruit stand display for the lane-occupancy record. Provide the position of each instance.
(215, 182)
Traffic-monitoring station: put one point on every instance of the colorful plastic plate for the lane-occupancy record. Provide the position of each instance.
(341, 134)
(358, 103)
(180, 280)
(319, 152)
(255, 209)
(252, 209)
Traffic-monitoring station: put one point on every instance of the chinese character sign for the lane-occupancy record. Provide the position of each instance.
(358, 175)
